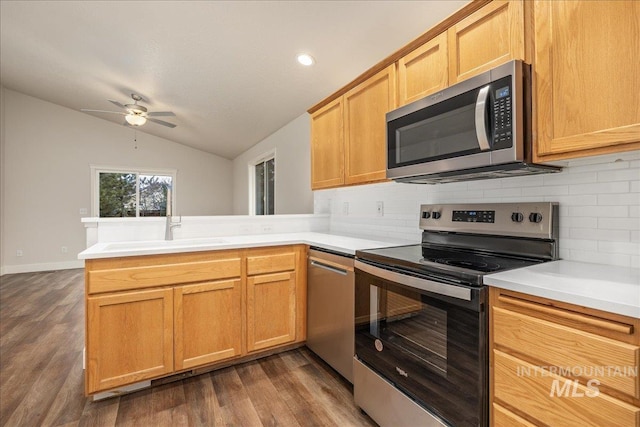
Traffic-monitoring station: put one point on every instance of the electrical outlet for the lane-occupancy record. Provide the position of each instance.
(19, 252)
(83, 211)
(380, 208)
(64, 249)
(345, 208)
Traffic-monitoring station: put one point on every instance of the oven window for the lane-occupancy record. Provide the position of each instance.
(416, 327)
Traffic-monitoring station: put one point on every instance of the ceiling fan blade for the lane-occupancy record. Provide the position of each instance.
(117, 103)
(102, 111)
(161, 122)
(161, 114)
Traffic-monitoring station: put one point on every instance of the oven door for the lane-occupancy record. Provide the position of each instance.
(428, 339)
(472, 124)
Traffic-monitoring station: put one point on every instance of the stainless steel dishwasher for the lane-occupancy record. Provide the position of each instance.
(330, 309)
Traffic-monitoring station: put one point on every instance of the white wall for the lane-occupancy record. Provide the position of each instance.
(599, 201)
(47, 153)
(293, 169)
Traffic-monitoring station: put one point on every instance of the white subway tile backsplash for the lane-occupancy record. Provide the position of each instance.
(596, 257)
(628, 248)
(598, 211)
(601, 187)
(600, 235)
(618, 175)
(599, 201)
(619, 199)
(619, 223)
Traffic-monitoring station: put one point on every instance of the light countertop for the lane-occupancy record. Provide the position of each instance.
(602, 287)
(344, 244)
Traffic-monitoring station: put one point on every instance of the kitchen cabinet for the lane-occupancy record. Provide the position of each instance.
(129, 338)
(152, 316)
(424, 70)
(487, 38)
(587, 56)
(365, 127)
(208, 322)
(554, 363)
(327, 146)
(348, 135)
(276, 295)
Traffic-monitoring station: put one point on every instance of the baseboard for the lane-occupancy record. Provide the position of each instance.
(47, 266)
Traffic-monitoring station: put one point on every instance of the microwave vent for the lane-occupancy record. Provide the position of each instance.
(488, 172)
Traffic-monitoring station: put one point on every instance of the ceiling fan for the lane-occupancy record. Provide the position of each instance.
(136, 114)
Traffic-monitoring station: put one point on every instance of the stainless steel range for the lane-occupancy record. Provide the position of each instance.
(421, 311)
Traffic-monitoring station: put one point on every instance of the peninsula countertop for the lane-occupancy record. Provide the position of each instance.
(339, 243)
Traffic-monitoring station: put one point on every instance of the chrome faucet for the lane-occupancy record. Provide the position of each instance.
(170, 225)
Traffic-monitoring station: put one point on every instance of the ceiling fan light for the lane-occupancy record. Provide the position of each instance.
(135, 119)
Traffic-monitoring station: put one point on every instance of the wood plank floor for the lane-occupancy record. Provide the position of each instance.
(41, 376)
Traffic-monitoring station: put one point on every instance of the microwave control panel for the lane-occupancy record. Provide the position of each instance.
(502, 114)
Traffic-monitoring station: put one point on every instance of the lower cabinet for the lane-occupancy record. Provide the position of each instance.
(271, 310)
(209, 307)
(129, 338)
(554, 363)
(208, 323)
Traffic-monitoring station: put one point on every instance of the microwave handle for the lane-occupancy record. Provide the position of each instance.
(481, 128)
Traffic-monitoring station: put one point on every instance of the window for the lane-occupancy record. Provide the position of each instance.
(121, 193)
(264, 179)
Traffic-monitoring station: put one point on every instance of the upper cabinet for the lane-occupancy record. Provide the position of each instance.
(327, 146)
(348, 135)
(485, 39)
(423, 71)
(587, 57)
(365, 127)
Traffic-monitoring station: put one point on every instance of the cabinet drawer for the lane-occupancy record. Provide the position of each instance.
(554, 400)
(120, 279)
(271, 263)
(504, 417)
(565, 347)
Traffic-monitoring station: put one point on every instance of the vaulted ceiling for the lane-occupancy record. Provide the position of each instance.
(226, 68)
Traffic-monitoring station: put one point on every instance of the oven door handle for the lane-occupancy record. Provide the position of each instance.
(416, 282)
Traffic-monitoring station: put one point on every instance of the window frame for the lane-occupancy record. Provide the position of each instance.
(266, 156)
(96, 170)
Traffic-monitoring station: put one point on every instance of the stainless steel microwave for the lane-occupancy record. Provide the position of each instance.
(477, 129)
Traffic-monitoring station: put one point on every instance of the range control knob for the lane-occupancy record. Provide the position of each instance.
(517, 217)
(535, 217)
(426, 215)
(436, 215)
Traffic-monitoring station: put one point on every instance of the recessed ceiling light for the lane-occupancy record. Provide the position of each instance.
(306, 59)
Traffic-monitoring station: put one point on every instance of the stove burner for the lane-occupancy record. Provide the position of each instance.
(469, 264)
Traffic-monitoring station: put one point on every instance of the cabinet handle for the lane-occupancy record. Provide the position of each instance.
(318, 262)
(328, 267)
(568, 315)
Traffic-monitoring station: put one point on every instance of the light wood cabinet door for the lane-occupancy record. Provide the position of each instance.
(129, 338)
(271, 310)
(208, 323)
(489, 37)
(423, 71)
(587, 57)
(365, 107)
(327, 146)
